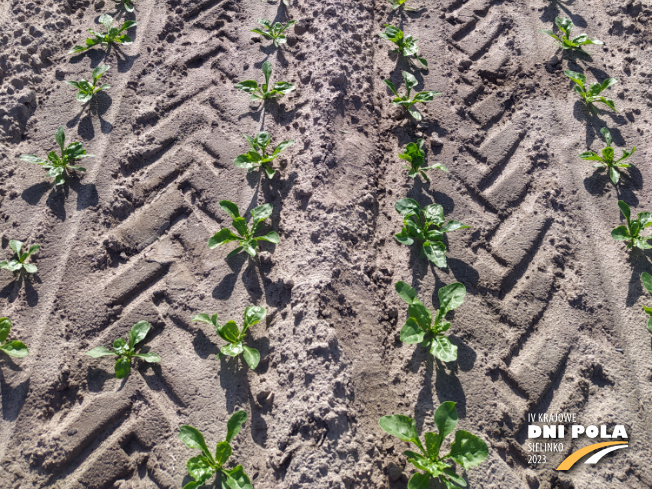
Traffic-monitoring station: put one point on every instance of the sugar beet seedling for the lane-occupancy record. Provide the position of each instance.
(274, 31)
(59, 166)
(13, 348)
(422, 328)
(632, 232)
(257, 156)
(204, 466)
(265, 91)
(405, 45)
(408, 102)
(646, 279)
(246, 237)
(467, 450)
(126, 350)
(427, 226)
(591, 95)
(113, 35)
(85, 90)
(396, 4)
(19, 264)
(564, 39)
(607, 158)
(127, 4)
(415, 155)
(230, 333)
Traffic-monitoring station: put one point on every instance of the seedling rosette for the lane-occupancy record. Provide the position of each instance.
(126, 350)
(606, 160)
(405, 45)
(111, 36)
(127, 4)
(408, 102)
(425, 330)
(204, 466)
(591, 95)
(246, 237)
(19, 264)
(427, 227)
(416, 156)
(13, 348)
(86, 90)
(257, 156)
(564, 39)
(265, 91)
(631, 233)
(466, 450)
(274, 31)
(57, 166)
(646, 279)
(230, 333)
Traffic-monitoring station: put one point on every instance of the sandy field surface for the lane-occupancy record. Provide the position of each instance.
(552, 319)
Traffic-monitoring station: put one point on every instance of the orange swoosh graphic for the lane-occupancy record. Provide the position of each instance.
(575, 456)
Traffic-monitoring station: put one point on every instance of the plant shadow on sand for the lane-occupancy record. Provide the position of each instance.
(11, 395)
(86, 195)
(11, 291)
(641, 261)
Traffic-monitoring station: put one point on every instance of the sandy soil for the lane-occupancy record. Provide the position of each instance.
(552, 320)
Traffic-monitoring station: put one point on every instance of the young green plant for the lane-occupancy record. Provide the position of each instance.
(246, 237)
(631, 233)
(19, 264)
(466, 450)
(204, 466)
(111, 37)
(230, 333)
(646, 279)
(59, 166)
(13, 348)
(422, 328)
(564, 38)
(127, 4)
(274, 31)
(591, 95)
(86, 90)
(126, 350)
(427, 227)
(265, 91)
(606, 160)
(257, 156)
(408, 102)
(400, 3)
(416, 156)
(405, 45)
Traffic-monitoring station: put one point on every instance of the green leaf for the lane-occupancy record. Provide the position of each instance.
(407, 207)
(230, 208)
(405, 292)
(435, 252)
(234, 252)
(60, 137)
(249, 86)
(232, 349)
(434, 213)
(253, 315)
(223, 236)
(421, 314)
(271, 237)
(106, 20)
(391, 86)
(446, 418)
(5, 328)
(100, 351)
(222, 452)
(453, 225)
(251, 356)
(262, 212)
(468, 450)
(15, 348)
(237, 479)
(411, 333)
(419, 481)
(30, 268)
(578, 78)
(451, 297)
(402, 427)
(433, 443)
(646, 279)
(149, 357)
(200, 469)
(624, 208)
(99, 71)
(620, 233)
(443, 349)
(33, 159)
(614, 175)
(229, 331)
(122, 367)
(192, 438)
(649, 323)
(457, 479)
(16, 245)
(234, 424)
(205, 318)
(267, 71)
(138, 333)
